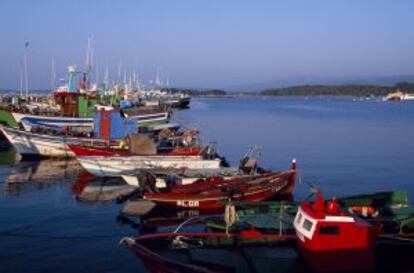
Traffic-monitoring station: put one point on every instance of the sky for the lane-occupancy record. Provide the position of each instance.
(206, 44)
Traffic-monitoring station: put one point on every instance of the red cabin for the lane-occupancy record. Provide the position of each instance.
(330, 239)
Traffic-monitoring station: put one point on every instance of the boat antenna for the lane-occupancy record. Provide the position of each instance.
(313, 190)
(26, 78)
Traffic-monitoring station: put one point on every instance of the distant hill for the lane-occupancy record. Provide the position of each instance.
(320, 80)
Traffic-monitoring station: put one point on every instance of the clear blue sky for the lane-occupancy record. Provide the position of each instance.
(209, 43)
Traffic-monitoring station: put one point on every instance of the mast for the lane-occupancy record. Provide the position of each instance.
(157, 79)
(106, 78)
(21, 78)
(53, 76)
(88, 63)
(119, 72)
(26, 78)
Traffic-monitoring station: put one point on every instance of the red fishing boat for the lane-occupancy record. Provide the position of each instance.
(330, 239)
(212, 193)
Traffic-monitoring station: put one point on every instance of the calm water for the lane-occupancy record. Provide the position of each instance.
(342, 146)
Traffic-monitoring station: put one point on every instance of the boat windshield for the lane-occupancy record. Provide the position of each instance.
(307, 225)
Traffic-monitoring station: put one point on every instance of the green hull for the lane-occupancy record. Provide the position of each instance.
(7, 119)
(151, 123)
(393, 206)
(378, 200)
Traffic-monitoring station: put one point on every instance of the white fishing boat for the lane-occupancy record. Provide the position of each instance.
(167, 177)
(397, 95)
(115, 165)
(30, 144)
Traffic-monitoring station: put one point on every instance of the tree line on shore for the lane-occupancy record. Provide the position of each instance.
(339, 90)
(357, 90)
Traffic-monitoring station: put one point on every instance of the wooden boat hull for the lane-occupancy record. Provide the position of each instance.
(216, 197)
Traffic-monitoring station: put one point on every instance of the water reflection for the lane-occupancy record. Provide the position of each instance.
(27, 176)
(92, 189)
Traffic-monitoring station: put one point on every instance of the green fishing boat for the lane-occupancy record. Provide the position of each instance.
(391, 209)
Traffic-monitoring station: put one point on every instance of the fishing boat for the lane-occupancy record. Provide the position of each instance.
(110, 162)
(391, 210)
(167, 176)
(175, 100)
(214, 252)
(29, 144)
(113, 165)
(45, 142)
(397, 95)
(255, 251)
(142, 153)
(75, 121)
(147, 115)
(331, 239)
(209, 194)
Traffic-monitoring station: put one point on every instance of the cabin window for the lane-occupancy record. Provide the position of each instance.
(329, 230)
(299, 218)
(307, 225)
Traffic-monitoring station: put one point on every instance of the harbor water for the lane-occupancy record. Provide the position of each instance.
(51, 221)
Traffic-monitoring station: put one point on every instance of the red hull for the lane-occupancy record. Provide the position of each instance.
(331, 239)
(80, 150)
(339, 260)
(215, 195)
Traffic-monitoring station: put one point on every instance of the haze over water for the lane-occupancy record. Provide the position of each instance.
(342, 146)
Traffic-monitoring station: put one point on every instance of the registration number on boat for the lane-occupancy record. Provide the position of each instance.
(187, 204)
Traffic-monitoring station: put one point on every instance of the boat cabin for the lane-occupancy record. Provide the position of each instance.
(330, 239)
(75, 104)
